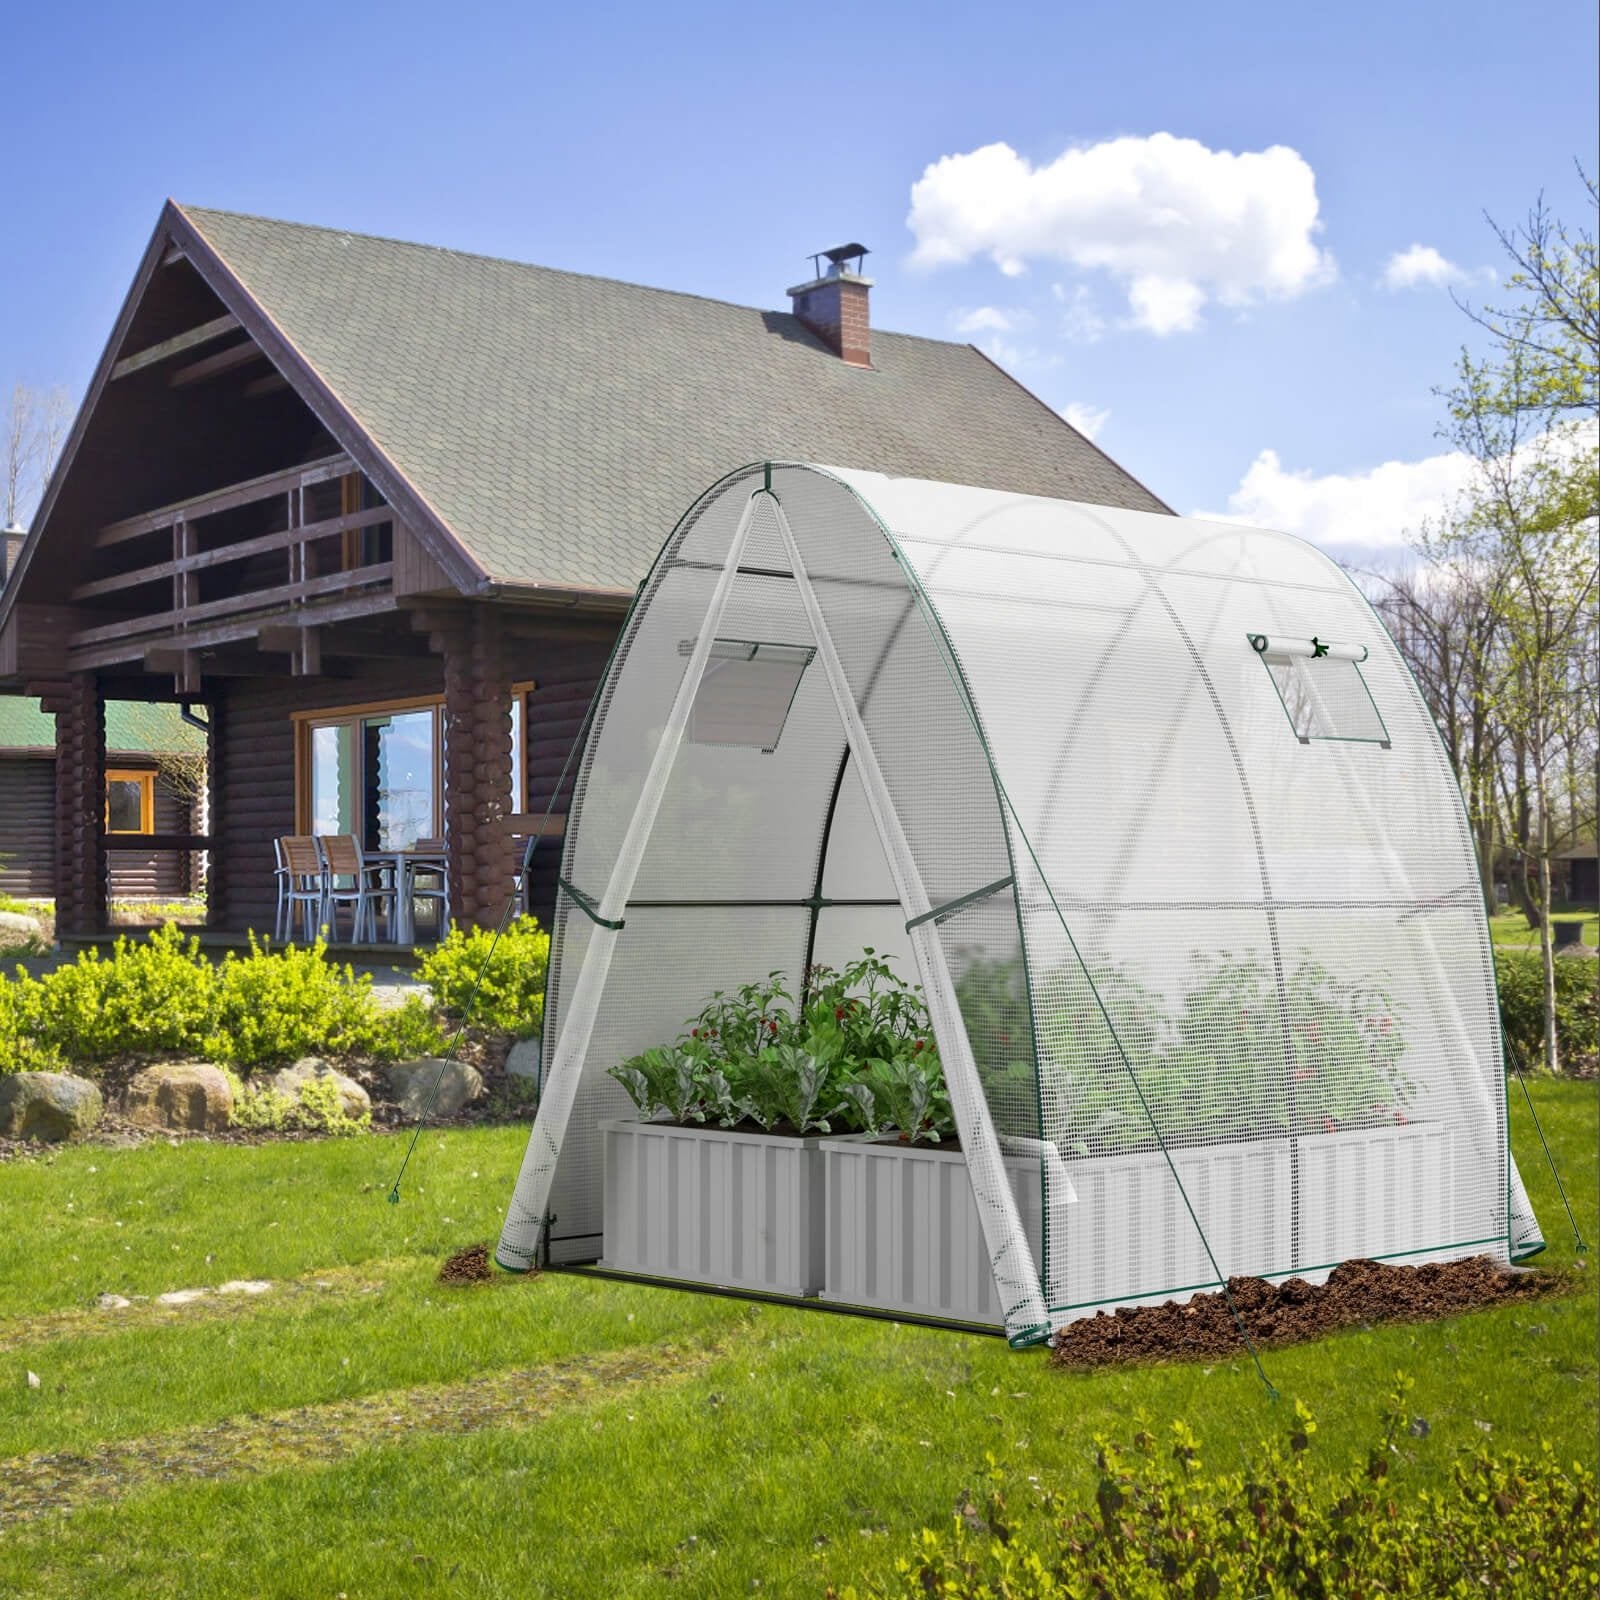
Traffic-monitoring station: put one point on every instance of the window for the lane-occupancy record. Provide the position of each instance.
(1320, 687)
(376, 772)
(130, 802)
(745, 695)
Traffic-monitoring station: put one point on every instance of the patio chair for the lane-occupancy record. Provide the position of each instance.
(280, 874)
(431, 881)
(303, 886)
(355, 882)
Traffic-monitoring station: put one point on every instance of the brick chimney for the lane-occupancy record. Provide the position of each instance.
(11, 540)
(834, 303)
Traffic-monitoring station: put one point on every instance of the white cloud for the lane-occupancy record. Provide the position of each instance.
(1087, 419)
(1178, 225)
(1373, 515)
(986, 319)
(1359, 512)
(1420, 266)
(1081, 320)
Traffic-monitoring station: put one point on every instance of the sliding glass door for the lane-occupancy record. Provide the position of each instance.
(376, 774)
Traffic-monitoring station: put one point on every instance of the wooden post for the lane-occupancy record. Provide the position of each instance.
(217, 864)
(80, 713)
(477, 768)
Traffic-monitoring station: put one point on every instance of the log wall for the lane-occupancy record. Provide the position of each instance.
(28, 833)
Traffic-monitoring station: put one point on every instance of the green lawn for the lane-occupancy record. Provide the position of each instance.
(361, 1431)
(1511, 930)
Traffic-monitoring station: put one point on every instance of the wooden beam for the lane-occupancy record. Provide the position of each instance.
(176, 345)
(223, 554)
(373, 603)
(159, 841)
(254, 599)
(215, 500)
(236, 355)
(270, 383)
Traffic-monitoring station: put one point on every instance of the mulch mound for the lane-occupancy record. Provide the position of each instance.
(1357, 1294)
(471, 1265)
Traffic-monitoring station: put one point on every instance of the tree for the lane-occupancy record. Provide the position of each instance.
(1526, 535)
(34, 431)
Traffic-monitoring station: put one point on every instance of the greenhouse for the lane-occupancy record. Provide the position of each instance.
(1151, 811)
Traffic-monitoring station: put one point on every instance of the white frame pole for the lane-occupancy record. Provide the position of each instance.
(520, 1234)
(1016, 1275)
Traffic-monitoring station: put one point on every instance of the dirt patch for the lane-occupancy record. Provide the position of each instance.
(1357, 1294)
(471, 1265)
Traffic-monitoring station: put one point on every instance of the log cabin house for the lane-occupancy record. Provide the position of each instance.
(374, 512)
(152, 768)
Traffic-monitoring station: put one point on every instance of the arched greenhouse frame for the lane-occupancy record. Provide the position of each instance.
(1152, 810)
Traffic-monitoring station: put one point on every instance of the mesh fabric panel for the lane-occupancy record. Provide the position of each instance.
(1241, 983)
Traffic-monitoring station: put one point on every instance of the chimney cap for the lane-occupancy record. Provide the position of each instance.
(837, 257)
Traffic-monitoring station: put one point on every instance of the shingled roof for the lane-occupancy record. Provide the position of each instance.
(557, 425)
(132, 728)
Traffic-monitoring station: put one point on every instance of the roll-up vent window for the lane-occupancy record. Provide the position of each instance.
(1320, 687)
(745, 695)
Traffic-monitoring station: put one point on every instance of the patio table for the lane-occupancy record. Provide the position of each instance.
(403, 865)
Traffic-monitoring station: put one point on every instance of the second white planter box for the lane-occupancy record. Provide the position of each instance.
(739, 1210)
(903, 1229)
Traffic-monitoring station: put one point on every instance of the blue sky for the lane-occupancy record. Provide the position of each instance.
(1203, 310)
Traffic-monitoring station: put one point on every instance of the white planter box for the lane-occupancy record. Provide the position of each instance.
(903, 1229)
(1381, 1192)
(903, 1232)
(706, 1205)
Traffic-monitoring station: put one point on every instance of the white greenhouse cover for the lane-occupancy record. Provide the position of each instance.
(1189, 883)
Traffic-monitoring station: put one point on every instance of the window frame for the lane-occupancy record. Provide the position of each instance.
(146, 779)
(307, 721)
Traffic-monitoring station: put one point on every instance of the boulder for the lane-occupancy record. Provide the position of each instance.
(410, 1082)
(523, 1061)
(192, 1095)
(354, 1101)
(17, 927)
(48, 1105)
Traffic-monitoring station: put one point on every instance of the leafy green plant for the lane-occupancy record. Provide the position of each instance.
(666, 1078)
(904, 1095)
(1164, 1523)
(1520, 976)
(757, 1055)
(784, 1085)
(510, 996)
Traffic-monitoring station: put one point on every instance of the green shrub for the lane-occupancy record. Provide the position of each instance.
(511, 996)
(160, 993)
(276, 1005)
(316, 1108)
(1521, 979)
(20, 1050)
(148, 995)
(1162, 1523)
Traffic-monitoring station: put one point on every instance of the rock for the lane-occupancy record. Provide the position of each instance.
(113, 1302)
(354, 1101)
(181, 1297)
(18, 928)
(525, 1057)
(48, 1105)
(193, 1095)
(409, 1083)
(244, 1286)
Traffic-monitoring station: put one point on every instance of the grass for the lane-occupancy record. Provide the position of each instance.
(1511, 930)
(361, 1431)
